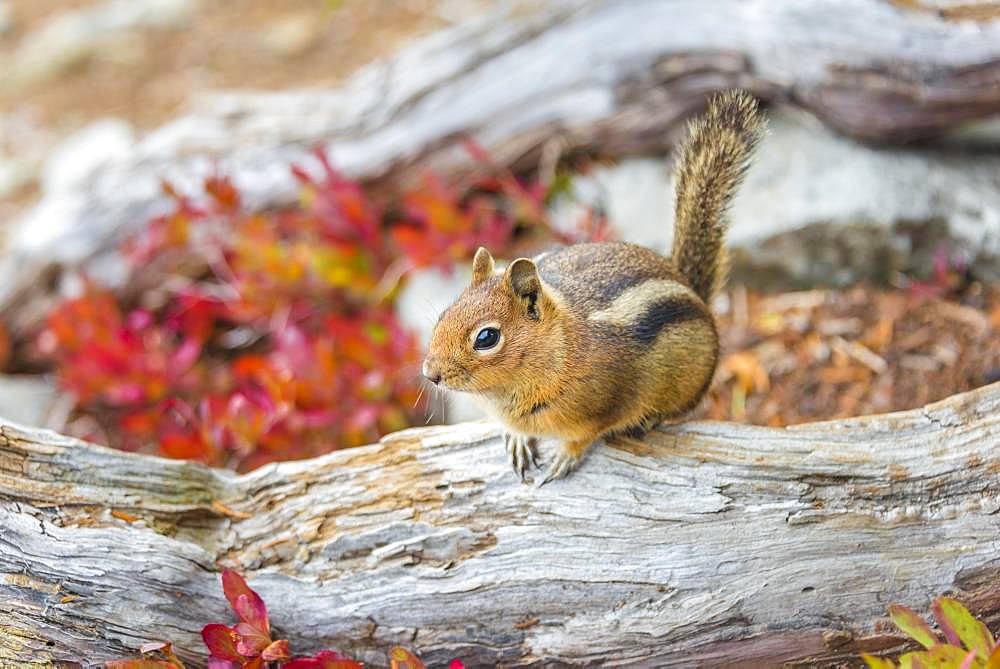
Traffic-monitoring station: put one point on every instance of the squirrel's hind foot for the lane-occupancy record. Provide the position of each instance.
(522, 452)
(645, 426)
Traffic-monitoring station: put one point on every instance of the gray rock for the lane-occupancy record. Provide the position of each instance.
(26, 399)
(426, 294)
(807, 178)
(636, 194)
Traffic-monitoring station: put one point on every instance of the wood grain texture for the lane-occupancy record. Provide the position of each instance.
(530, 81)
(706, 544)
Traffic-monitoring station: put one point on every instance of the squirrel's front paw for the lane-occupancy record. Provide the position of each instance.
(568, 458)
(521, 450)
(563, 464)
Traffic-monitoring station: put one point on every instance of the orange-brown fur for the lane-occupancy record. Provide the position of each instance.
(600, 338)
(711, 164)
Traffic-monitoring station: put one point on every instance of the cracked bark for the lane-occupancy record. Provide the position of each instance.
(705, 544)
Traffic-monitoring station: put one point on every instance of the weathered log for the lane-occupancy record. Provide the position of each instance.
(706, 544)
(531, 80)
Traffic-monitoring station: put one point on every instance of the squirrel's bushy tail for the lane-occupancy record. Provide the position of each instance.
(711, 164)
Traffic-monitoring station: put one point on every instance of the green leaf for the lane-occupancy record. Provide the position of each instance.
(877, 662)
(912, 625)
(941, 656)
(961, 627)
(946, 656)
(970, 661)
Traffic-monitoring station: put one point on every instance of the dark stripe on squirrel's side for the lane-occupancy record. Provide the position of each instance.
(661, 314)
(594, 275)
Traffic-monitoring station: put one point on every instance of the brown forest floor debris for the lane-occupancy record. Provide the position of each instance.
(147, 76)
(823, 354)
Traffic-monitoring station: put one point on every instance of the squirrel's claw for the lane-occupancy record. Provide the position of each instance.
(562, 465)
(522, 454)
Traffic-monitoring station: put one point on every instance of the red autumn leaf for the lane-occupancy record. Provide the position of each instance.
(456, 664)
(249, 414)
(438, 214)
(400, 658)
(216, 663)
(325, 659)
(252, 639)
(245, 602)
(222, 191)
(185, 446)
(5, 346)
(141, 423)
(424, 248)
(125, 393)
(476, 150)
(184, 356)
(277, 652)
(250, 366)
(221, 642)
(141, 664)
(252, 634)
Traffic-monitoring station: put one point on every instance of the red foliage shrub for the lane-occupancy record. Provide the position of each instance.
(263, 336)
(4, 347)
(248, 643)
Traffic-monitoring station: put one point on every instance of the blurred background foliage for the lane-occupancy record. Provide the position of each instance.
(263, 336)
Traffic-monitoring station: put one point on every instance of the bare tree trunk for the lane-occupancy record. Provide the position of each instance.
(532, 81)
(706, 544)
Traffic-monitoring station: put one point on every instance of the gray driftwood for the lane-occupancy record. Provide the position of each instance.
(706, 544)
(531, 81)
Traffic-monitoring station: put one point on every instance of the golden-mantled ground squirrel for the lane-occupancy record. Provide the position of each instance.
(597, 339)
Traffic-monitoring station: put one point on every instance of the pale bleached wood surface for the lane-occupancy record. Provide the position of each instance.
(707, 544)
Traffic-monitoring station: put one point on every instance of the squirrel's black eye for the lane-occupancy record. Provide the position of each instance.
(486, 339)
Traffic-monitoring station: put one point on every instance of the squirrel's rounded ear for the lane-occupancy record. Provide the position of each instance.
(482, 266)
(522, 277)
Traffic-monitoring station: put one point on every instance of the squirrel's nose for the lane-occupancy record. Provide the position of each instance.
(430, 373)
